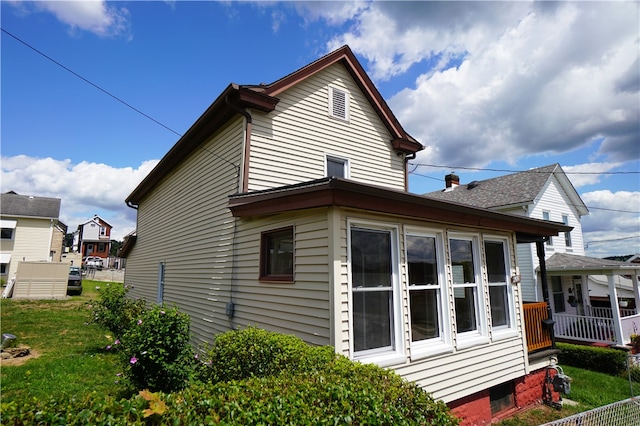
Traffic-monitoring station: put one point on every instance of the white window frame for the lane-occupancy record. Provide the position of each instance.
(396, 353)
(481, 334)
(510, 330)
(346, 172)
(333, 90)
(442, 343)
(11, 225)
(567, 235)
(546, 215)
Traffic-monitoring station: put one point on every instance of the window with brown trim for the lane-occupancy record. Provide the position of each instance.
(276, 255)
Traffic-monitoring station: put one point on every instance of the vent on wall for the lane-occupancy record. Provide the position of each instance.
(338, 103)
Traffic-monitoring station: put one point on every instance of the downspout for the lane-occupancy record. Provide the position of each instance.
(406, 170)
(545, 287)
(242, 187)
(133, 206)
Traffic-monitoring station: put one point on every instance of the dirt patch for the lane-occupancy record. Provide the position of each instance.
(20, 360)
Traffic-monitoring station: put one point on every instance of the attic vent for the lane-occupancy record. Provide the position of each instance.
(338, 103)
(473, 184)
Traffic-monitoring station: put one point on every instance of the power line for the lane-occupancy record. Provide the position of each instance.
(512, 171)
(586, 245)
(90, 82)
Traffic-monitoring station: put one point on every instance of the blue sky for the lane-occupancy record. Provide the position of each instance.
(483, 85)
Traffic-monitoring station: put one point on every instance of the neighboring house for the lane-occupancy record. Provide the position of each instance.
(575, 287)
(31, 231)
(286, 206)
(93, 238)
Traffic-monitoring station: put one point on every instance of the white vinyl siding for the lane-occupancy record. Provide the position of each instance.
(302, 307)
(289, 145)
(185, 223)
(31, 242)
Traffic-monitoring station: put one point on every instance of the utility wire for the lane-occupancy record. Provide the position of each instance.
(513, 171)
(113, 96)
(586, 245)
(89, 82)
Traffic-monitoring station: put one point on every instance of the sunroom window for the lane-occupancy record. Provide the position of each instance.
(465, 285)
(495, 254)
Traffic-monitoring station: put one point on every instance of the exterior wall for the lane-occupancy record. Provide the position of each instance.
(289, 144)
(185, 223)
(57, 242)
(31, 242)
(41, 280)
(302, 308)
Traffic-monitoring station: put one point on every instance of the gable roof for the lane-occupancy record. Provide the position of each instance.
(263, 97)
(511, 190)
(12, 204)
(332, 191)
(571, 264)
(97, 219)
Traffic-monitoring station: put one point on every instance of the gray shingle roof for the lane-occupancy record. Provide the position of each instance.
(513, 189)
(24, 205)
(572, 262)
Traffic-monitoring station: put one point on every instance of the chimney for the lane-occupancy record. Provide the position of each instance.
(451, 181)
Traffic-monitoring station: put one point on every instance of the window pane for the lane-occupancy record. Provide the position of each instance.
(424, 314)
(496, 269)
(499, 304)
(370, 258)
(465, 309)
(279, 253)
(372, 320)
(335, 167)
(421, 256)
(6, 233)
(462, 261)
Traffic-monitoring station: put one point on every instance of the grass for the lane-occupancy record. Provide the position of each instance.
(589, 389)
(73, 361)
(70, 356)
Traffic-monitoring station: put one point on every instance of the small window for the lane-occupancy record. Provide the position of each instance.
(337, 167)
(101, 247)
(4, 268)
(501, 397)
(276, 255)
(547, 216)
(338, 103)
(567, 235)
(6, 234)
(103, 230)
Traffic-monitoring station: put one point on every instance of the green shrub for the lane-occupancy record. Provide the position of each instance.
(343, 392)
(604, 360)
(157, 352)
(113, 311)
(254, 352)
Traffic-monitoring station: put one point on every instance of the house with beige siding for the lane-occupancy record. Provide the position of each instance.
(286, 206)
(31, 231)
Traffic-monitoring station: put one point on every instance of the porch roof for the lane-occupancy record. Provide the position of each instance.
(571, 264)
(332, 191)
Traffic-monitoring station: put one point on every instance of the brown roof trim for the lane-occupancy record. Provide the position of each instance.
(346, 193)
(218, 113)
(353, 66)
(127, 245)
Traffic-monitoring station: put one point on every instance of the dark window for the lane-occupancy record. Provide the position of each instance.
(276, 255)
(497, 275)
(372, 271)
(424, 287)
(567, 235)
(558, 294)
(501, 397)
(6, 233)
(336, 167)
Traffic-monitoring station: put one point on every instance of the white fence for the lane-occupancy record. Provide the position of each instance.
(583, 328)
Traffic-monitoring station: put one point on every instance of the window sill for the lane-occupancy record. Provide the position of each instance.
(504, 334)
(266, 280)
(464, 342)
(381, 360)
(425, 351)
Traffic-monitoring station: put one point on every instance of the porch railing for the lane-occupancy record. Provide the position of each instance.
(538, 337)
(591, 311)
(585, 328)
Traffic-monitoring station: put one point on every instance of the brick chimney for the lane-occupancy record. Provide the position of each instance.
(451, 181)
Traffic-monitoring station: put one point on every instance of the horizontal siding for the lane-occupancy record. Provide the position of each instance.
(185, 223)
(31, 242)
(289, 144)
(301, 308)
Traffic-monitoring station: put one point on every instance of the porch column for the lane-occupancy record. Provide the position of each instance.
(615, 309)
(636, 290)
(544, 285)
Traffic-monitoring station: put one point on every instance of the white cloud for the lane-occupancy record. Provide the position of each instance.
(96, 16)
(85, 188)
(588, 174)
(613, 224)
(500, 80)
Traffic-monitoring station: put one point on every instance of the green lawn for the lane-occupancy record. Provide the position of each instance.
(71, 358)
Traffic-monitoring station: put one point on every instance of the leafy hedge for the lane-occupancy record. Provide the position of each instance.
(604, 360)
(345, 393)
